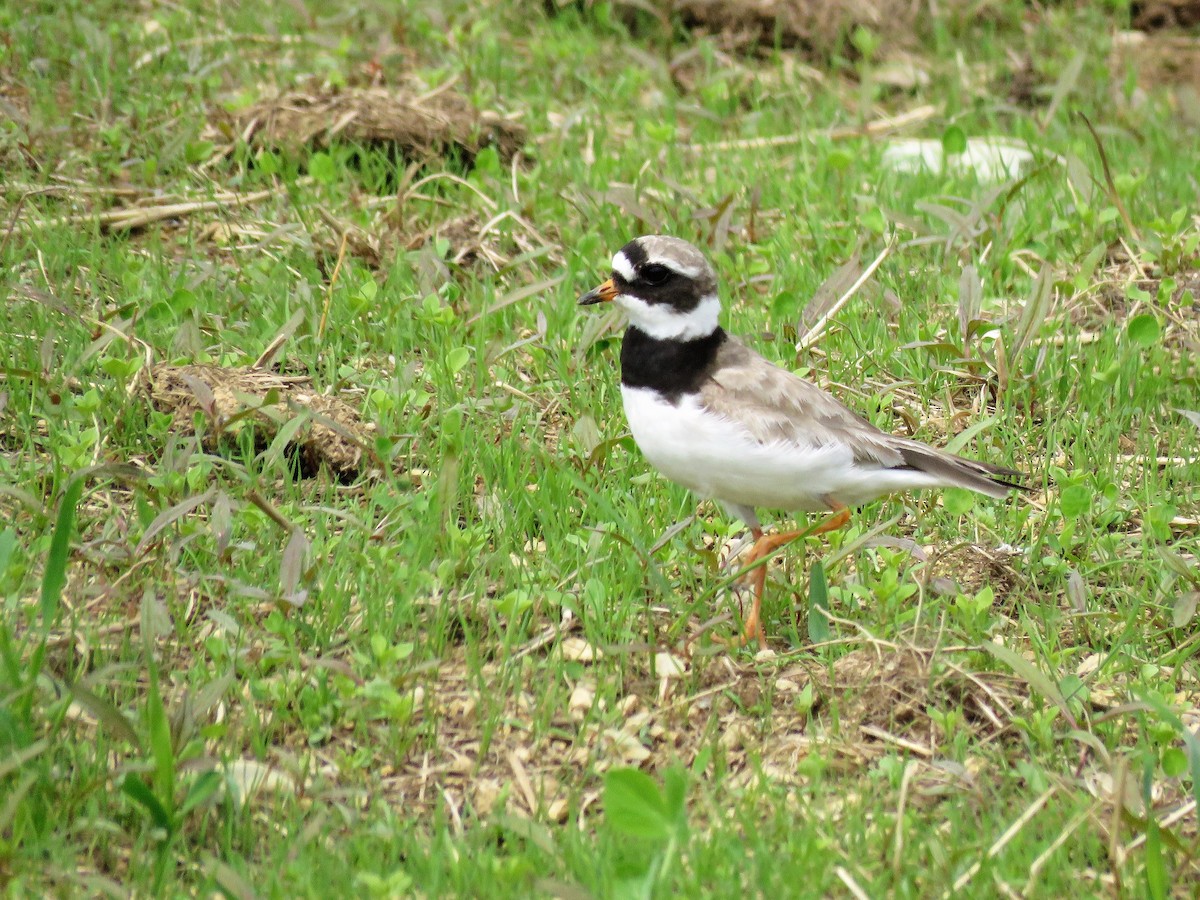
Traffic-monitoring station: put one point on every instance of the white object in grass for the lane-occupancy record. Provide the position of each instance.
(990, 158)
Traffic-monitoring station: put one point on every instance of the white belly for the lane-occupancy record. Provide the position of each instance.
(714, 457)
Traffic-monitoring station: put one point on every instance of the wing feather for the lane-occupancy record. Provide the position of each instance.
(774, 405)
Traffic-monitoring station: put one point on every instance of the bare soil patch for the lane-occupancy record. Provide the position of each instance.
(968, 568)
(331, 434)
(1158, 59)
(819, 28)
(872, 701)
(882, 696)
(1156, 15)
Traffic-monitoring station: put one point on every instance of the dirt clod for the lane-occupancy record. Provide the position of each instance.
(416, 126)
(232, 399)
(819, 28)
(1155, 15)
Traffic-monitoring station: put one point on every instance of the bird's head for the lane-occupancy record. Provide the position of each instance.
(666, 287)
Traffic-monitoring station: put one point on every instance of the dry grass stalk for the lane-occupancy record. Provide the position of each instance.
(811, 333)
(133, 218)
(1001, 842)
(874, 128)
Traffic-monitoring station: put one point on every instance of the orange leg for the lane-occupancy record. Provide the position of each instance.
(764, 546)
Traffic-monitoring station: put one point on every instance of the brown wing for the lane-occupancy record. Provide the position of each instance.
(775, 405)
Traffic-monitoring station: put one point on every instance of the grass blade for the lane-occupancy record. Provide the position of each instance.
(106, 713)
(1032, 675)
(22, 756)
(54, 579)
(818, 603)
(138, 790)
(204, 787)
(1156, 867)
(291, 566)
(165, 518)
(162, 749)
(1033, 314)
(8, 543)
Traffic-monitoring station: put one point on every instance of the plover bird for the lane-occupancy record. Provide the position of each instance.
(717, 418)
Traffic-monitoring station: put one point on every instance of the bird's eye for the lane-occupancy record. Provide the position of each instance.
(654, 273)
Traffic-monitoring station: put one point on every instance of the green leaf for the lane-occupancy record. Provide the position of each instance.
(661, 131)
(284, 438)
(954, 140)
(1166, 290)
(818, 603)
(197, 151)
(121, 369)
(1190, 742)
(89, 402)
(268, 162)
(8, 543)
(1032, 675)
(1132, 291)
(457, 358)
(1073, 689)
(1143, 330)
(1174, 762)
(805, 700)
(137, 789)
(106, 713)
(637, 886)
(322, 168)
(1156, 867)
(487, 162)
(513, 603)
(1093, 258)
(202, 788)
(872, 218)
(182, 301)
(633, 805)
(1184, 608)
(162, 751)
(675, 794)
(54, 579)
(957, 501)
(368, 290)
(839, 160)
(1074, 501)
(865, 41)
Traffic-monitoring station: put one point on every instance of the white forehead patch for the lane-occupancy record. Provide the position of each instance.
(665, 323)
(622, 266)
(676, 265)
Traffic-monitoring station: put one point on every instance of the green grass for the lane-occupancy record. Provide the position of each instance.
(399, 703)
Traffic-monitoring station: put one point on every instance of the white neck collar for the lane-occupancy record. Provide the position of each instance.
(664, 323)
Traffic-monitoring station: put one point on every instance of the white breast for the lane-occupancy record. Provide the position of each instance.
(715, 457)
